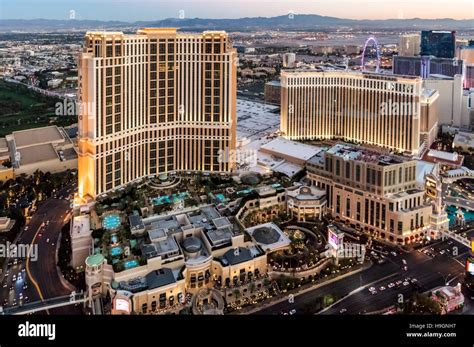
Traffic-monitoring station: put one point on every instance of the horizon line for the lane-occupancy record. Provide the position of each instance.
(246, 17)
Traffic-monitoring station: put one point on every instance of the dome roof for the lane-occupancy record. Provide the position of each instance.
(192, 244)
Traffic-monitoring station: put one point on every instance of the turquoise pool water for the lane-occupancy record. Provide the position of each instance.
(169, 199)
(130, 264)
(245, 191)
(220, 197)
(115, 251)
(110, 222)
(451, 210)
(113, 238)
(276, 185)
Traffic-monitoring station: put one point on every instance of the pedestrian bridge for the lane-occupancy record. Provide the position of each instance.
(47, 304)
(459, 202)
(457, 174)
(456, 237)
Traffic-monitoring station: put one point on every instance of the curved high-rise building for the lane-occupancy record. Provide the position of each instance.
(155, 102)
(368, 108)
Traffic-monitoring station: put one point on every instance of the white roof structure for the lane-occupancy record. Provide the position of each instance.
(288, 148)
(443, 155)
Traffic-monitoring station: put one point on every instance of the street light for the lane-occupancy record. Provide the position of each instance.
(445, 278)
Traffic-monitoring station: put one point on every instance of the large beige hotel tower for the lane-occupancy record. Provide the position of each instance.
(155, 102)
(375, 109)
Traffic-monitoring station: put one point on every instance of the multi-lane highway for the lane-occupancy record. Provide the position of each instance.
(426, 269)
(28, 280)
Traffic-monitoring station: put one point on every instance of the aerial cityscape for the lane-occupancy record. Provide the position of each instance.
(284, 160)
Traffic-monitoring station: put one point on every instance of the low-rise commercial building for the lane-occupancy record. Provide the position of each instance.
(181, 254)
(48, 149)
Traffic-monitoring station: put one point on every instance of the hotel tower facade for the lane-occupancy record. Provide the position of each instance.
(153, 103)
(369, 108)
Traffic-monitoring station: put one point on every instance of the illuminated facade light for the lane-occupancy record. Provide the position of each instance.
(152, 103)
(367, 108)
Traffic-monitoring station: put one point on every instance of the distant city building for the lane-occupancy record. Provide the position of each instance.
(409, 45)
(289, 60)
(375, 109)
(455, 104)
(424, 66)
(374, 193)
(272, 92)
(155, 102)
(441, 44)
(55, 82)
(466, 53)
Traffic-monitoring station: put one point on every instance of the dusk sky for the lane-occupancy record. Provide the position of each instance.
(133, 10)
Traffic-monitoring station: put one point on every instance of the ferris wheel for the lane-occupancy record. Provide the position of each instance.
(373, 40)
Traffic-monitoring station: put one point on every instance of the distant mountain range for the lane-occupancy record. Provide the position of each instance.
(295, 22)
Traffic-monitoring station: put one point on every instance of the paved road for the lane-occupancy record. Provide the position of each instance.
(429, 271)
(41, 276)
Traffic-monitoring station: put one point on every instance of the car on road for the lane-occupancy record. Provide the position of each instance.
(20, 296)
(405, 268)
(393, 253)
(47, 240)
(292, 312)
(371, 289)
(398, 283)
(406, 283)
(25, 286)
(14, 302)
(382, 288)
(414, 280)
(14, 278)
(343, 310)
(391, 285)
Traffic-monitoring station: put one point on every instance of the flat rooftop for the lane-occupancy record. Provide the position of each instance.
(31, 137)
(256, 119)
(38, 153)
(160, 278)
(348, 152)
(290, 148)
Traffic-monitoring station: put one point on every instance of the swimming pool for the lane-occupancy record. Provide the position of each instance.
(220, 197)
(111, 221)
(451, 210)
(113, 238)
(245, 191)
(130, 264)
(115, 251)
(169, 199)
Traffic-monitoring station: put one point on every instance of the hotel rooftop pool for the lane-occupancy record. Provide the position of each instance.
(115, 251)
(130, 264)
(111, 221)
(169, 199)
